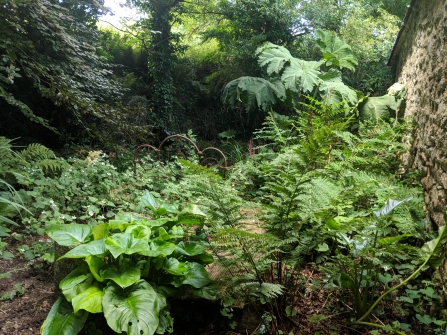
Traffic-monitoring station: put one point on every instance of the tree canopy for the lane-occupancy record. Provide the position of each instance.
(173, 62)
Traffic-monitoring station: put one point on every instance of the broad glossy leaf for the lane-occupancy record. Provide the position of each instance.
(157, 222)
(100, 231)
(336, 51)
(301, 76)
(209, 292)
(139, 232)
(84, 250)
(163, 234)
(190, 248)
(166, 323)
(176, 232)
(204, 258)
(191, 216)
(392, 239)
(433, 251)
(389, 206)
(76, 281)
(118, 224)
(126, 273)
(332, 224)
(134, 310)
(194, 210)
(159, 248)
(127, 217)
(173, 266)
(157, 206)
(196, 276)
(148, 200)
(123, 243)
(69, 234)
(95, 265)
(62, 321)
(89, 300)
(374, 108)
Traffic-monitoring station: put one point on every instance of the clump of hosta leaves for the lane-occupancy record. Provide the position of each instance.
(132, 265)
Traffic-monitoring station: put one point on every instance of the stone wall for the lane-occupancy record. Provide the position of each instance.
(421, 55)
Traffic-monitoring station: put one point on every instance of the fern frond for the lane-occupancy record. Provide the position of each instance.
(51, 166)
(36, 152)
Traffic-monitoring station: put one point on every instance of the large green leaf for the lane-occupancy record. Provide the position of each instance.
(196, 276)
(62, 321)
(191, 215)
(375, 108)
(335, 51)
(95, 265)
(120, 224)
(159, 248)
(100, 231)
(166, 323)
(390, 205)
(157, 222)
(140, 232)
(157, 206)
(301, 76)
(335, 91)
(254, 93)
(210, 292)
(84, 250)
(89, 300)
(274, 56)
(173, 266)
(190, 248)
(69, 234)
(124, 243)
(433, 251)
(126, 273)
(134, 310)
(76, 281)
(393, 239)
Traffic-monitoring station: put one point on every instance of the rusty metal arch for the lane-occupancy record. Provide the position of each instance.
(205, 161)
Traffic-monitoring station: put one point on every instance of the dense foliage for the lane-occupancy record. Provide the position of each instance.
(320, 186)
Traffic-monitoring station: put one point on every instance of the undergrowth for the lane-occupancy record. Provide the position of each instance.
(320, 191)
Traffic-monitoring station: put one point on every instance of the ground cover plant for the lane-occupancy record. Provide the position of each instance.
(322, 196)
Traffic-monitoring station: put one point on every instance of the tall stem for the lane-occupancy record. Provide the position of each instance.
(379, 299)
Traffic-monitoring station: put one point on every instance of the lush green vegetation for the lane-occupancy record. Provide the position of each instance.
(319, 186)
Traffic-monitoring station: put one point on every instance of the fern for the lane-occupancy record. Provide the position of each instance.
(44, 159)
(36, 152)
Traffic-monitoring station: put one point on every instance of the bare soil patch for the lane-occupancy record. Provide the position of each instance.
(23, 314)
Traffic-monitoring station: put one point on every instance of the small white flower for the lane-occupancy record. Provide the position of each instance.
(62, 217)
(109, 174)
(73, 217)
(43, 212)
(90, 213)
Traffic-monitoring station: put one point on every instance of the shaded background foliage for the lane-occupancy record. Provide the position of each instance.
(166, 71)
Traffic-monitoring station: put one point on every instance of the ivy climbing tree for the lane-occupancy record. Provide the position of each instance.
(162, 57)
